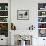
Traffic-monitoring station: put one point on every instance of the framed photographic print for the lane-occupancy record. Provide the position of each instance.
(22, 14)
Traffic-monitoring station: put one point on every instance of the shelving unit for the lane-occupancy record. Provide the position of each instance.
(4, 19)
(42, 19)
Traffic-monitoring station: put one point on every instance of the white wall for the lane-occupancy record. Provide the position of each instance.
(32, 6)
(24, 5)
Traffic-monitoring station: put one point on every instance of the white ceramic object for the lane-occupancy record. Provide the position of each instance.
(6, 7)
(42, 8)
(43, 12)
(42, 31)
(22, 43)
(0, 7)
(45, 6)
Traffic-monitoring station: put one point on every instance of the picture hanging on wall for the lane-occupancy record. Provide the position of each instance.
(22, 14)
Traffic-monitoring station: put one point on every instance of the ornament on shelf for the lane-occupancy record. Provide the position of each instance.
(31, 27)
(13, 27)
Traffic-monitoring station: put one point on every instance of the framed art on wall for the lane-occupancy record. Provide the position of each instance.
(22, 14)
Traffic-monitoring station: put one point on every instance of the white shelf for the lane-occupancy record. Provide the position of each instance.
(41, 10)
(41, 22)
(41, 28)
(3, 10)
(42, 16)
(3, 16)
(3, 22)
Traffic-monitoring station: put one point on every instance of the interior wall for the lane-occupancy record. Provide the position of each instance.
(32, 6)
(24, 5)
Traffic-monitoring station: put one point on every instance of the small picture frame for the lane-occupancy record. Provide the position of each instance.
(22, 14)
